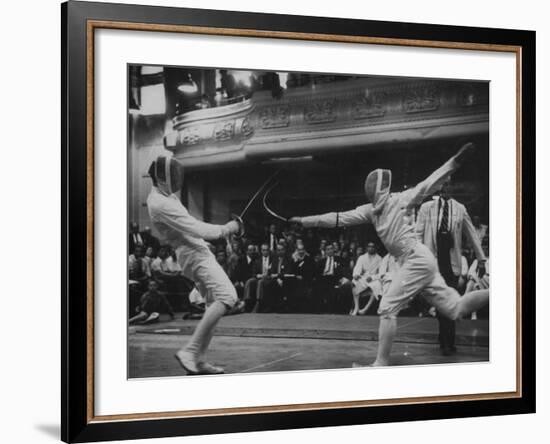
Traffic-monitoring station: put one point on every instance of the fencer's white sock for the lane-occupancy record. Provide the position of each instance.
(202, 334)
(386, 333)
(204, 346)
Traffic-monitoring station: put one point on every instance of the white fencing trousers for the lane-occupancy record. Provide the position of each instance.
(211, 281)
(419, 273)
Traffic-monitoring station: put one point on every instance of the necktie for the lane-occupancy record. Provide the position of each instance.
(444, 243)
(444, 226)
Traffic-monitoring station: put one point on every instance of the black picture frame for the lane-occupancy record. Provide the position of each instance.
(77, 425)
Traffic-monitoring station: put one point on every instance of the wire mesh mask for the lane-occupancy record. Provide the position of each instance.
(169, 175)
(377, 188)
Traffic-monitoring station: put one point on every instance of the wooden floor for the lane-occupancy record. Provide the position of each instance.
(288, 342)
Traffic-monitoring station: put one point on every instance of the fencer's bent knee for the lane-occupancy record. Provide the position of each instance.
(388, 315)
(230, 297)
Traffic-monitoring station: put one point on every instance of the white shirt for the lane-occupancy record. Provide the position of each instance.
(265, 264)
(329, 266)
(167, 265)
(367, 264)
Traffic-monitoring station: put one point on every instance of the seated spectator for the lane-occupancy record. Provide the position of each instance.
(274, 289)
(164, 268)
(221, 258)
(290, 241)
(151, 303)
(138, 269)
(363, 271)
(477, 282)
(380, 282)
(345, 259)
(304, 269)
(336, 247)
(329, 289)
(359, 251)
(149, 256)
(261, 270)
(245, 269)
(294, 255)
(234, 252)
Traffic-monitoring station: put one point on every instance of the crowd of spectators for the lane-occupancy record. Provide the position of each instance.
(287, 270)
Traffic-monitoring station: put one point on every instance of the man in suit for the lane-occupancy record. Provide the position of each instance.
(440, 226)
(328, 287)
(261, 269)
(245, 269)
(304, 269)
(273, 290)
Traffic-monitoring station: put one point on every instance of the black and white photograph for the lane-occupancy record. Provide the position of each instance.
(287, 221)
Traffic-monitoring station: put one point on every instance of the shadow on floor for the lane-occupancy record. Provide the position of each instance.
(51, 430)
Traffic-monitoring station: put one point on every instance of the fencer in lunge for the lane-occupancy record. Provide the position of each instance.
(187, 236)
(391, 216)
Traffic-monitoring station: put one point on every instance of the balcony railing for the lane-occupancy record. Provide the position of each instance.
(353, 114)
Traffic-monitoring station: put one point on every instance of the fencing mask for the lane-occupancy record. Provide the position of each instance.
(377, 188)
(167, 174)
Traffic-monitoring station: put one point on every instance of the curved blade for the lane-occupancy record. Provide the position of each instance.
(257, 193)
(269, 210)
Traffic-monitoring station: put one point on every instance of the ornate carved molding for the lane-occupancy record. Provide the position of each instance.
(369, 106)
(224, 131)
(189, 136)
(320, 111)
(246, 128)
(421, 99)
(277, 116)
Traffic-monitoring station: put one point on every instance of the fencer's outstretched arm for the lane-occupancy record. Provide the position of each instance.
(358, 216)
(178, 218)
(433, 182)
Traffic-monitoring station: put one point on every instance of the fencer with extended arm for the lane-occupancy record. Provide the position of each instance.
(364, 213)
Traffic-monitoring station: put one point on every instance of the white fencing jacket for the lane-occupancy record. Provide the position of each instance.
(176, 226)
